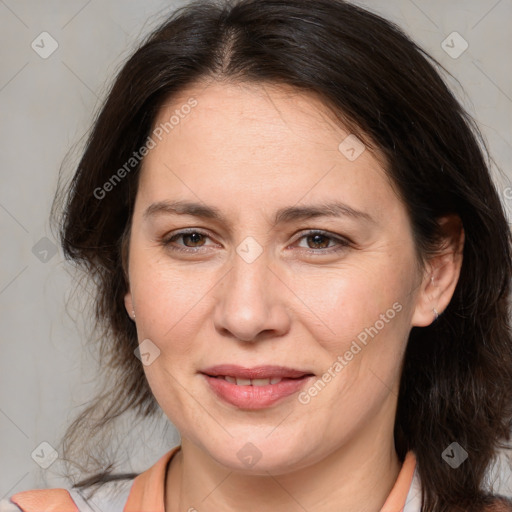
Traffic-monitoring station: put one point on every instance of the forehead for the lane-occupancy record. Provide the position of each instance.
(258, 143)
(260, 116)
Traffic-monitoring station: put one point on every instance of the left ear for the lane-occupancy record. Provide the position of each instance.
(441, 273)
(128, 304)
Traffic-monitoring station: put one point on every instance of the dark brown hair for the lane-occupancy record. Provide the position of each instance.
(456, 382)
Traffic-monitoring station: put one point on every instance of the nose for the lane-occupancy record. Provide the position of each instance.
(251, 302)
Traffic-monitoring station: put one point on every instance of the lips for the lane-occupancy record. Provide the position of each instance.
(234, 373)
(255, 388)
(256, 394)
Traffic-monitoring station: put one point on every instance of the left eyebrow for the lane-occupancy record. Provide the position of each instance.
(332, 209)
(282, 216)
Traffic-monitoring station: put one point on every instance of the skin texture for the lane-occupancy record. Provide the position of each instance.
(249, 150)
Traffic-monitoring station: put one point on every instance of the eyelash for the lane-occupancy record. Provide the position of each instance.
(343, 244)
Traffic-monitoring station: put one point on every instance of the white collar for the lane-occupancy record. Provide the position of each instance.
(413, 500)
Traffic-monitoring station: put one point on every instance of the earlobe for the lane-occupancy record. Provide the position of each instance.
(441, 274)
(128, 304)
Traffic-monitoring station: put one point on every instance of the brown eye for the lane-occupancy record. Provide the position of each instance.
(195, 238)
(192, 239)
(318, 243)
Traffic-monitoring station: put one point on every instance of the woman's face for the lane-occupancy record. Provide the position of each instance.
(251, 286)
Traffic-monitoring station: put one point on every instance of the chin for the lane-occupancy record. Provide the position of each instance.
(260, 456)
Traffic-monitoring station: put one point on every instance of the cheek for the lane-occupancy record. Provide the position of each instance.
(168, 301)
(364, 311)
(356, 301)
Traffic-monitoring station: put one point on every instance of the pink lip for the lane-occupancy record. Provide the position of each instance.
(255, 397)
(257, 372)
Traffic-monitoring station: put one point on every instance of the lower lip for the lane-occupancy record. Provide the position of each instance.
(255, 397)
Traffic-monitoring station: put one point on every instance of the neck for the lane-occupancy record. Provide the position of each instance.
(357, 476)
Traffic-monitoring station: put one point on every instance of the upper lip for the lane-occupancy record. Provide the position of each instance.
(256, 372)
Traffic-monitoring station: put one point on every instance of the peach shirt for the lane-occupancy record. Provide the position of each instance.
(147, 491)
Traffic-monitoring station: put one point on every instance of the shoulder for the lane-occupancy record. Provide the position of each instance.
(109, 497)
(39, 499)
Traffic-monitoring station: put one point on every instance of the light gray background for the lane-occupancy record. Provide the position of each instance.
(47, 105)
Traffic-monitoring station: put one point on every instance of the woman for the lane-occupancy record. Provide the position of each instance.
(293, 228)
